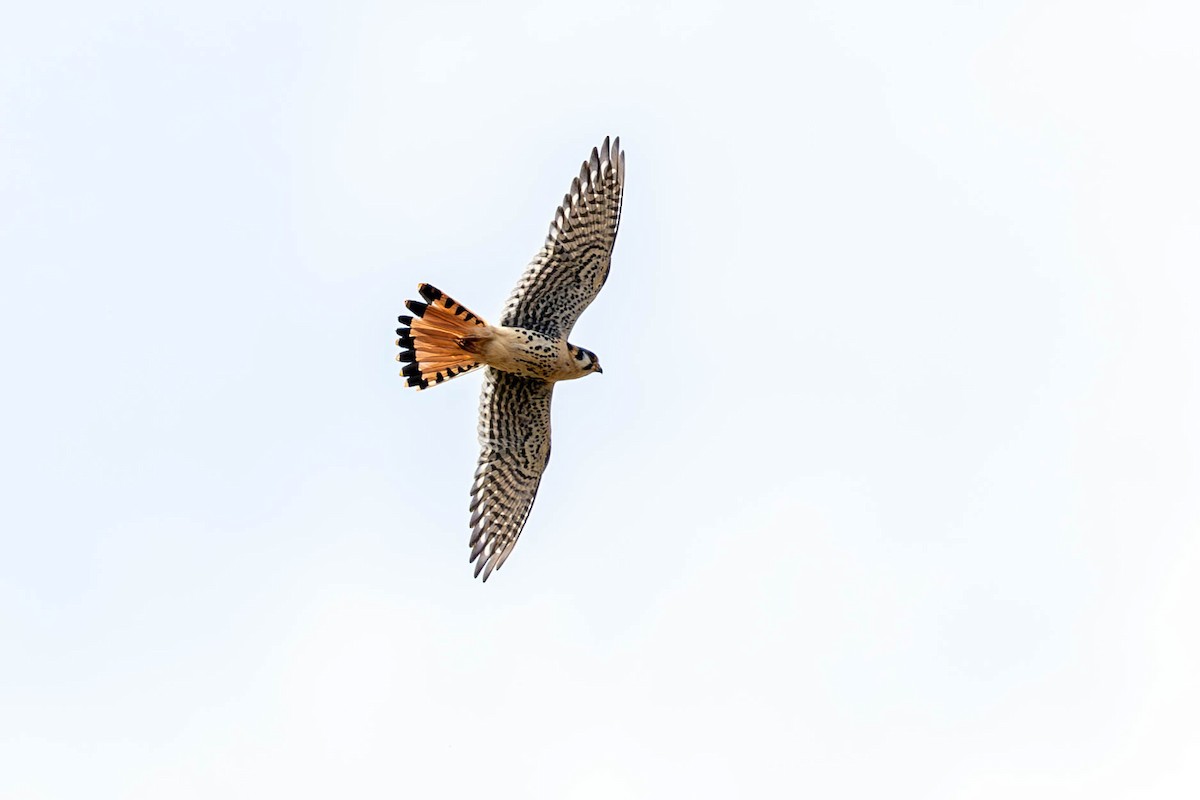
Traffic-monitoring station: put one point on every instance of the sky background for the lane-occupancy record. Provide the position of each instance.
(891, 485)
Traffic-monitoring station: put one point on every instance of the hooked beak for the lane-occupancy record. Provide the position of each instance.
(599, 370)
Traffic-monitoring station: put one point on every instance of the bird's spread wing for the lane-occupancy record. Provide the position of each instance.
(566, 275)
(514, 439)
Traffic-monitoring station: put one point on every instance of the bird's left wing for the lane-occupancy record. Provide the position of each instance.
(566, 275)
(514, 441)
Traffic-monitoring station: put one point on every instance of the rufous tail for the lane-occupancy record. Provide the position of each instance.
(441, 340)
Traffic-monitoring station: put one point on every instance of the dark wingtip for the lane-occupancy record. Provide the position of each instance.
(430, 292)
(404, 319)
(416, 307)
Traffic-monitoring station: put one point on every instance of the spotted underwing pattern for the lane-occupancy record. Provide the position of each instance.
(514, 442)
(572, 266)
(524, 355)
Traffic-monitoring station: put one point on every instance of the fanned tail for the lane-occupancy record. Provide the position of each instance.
(441, 340)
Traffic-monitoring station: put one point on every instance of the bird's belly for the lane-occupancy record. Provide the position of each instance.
(528, 353)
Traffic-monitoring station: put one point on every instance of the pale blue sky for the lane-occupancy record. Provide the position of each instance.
(891, 485)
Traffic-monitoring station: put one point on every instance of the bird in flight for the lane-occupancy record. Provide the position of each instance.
(524, 355)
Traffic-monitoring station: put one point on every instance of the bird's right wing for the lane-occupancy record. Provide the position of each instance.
(514, 441)
(567, 273)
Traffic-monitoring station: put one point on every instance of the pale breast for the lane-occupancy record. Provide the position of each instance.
(526, 352)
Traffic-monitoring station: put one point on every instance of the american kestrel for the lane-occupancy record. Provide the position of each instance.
(525, 355)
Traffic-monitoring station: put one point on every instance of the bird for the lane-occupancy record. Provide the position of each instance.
(524, 355)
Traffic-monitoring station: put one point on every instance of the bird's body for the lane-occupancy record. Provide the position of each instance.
(523, 356)
(530, 353)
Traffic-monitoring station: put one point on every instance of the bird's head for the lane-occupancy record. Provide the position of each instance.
(585, 360)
